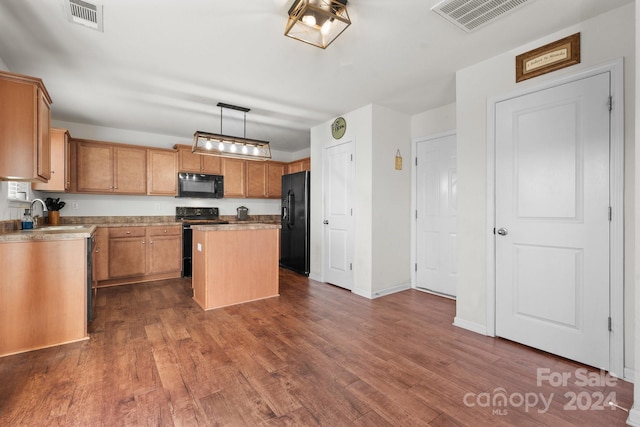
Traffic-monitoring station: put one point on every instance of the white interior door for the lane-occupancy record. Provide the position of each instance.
(338, 177)
(436, 217)
(552, 220)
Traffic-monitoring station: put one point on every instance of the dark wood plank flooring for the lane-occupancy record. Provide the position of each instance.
(316, 355)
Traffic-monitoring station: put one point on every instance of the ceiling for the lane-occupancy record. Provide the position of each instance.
(161, 66)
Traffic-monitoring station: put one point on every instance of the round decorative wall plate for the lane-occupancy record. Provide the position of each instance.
(338, 128)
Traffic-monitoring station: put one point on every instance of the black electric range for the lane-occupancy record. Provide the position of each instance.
(192, 216)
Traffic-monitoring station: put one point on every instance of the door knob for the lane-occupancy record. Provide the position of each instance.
(503, 231)
(326, 221)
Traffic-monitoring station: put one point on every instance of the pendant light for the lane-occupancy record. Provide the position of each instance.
(231, 146)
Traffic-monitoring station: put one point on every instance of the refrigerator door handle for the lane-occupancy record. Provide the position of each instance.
(292, 208)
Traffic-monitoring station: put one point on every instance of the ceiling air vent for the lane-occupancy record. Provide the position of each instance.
(469, 15)
(84, 13)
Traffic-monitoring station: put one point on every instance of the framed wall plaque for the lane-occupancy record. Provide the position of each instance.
(547, 58)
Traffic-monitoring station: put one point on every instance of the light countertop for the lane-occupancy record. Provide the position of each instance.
(64, 232)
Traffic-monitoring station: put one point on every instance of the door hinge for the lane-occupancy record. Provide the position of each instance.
(494, 230)
(351, 211)
(352, 157)
(416, 266)
(351, 266)
(610, 103)
(610, 214)
(416, 214)
(609, 325)
(416, 161)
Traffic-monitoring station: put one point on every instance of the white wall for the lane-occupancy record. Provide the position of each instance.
(433, 122)
(382, 199)
(391, 202)
(496, 76)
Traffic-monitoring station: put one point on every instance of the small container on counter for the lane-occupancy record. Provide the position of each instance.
(27, 220)
(242, 213)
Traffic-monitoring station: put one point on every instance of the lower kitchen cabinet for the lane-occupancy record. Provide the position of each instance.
(101, 254)
(140, 254)
(165, 249)
(127, 252)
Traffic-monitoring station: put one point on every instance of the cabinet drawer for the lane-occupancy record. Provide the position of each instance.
(115, 232)
(173, 230)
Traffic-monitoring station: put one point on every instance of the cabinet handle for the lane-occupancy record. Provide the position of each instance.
(128, 232)
(53, 171)
(143, 242)
(165, 231)
(151, 242)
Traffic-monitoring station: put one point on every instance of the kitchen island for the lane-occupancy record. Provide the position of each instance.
(45, 287)
(235, 263)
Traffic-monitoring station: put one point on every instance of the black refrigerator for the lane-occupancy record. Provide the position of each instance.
(295, 231)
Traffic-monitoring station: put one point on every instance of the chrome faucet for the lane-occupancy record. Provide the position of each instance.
(44, 208)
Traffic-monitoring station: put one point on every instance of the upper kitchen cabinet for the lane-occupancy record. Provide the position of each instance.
(110, 168)
(25, 119)
(264, 179)
(162, 172)
(234, 174)
(60, 152)
(299, 165)
(198, 163)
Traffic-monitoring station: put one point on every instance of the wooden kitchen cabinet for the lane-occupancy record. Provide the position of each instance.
(198, 163)
(60, 154)
(264, 179)
(234, 174)
(101, 254)
(138, 254)
(299, 165)
(165, 249)
(127, 252)
(25, 120)
(110, 168)
(162, 172)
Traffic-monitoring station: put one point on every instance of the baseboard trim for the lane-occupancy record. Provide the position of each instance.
(634, 417)
(381, 293)
(470, 326)
(629, 375)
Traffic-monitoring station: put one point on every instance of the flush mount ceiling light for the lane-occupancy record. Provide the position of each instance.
(317, 22)
(231, 146)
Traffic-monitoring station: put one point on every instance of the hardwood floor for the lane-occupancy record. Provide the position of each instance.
(316, 355)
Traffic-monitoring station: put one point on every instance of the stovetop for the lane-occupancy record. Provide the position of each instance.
(196, 214)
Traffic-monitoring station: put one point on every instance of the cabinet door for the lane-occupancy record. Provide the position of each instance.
(162, 173)
(101, 254)
(127, 257)
(256, 179)
(189, 162)
(44, 138)
(234, 175)
(299, 165)
(164, 249)
(211, 164)
(275, 171)
(130, 169)
(18, 129)
(94, 168)
(59, 163)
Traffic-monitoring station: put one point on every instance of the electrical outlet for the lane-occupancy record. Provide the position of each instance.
(74, 205)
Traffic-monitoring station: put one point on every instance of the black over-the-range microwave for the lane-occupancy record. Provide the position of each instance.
(202, 186)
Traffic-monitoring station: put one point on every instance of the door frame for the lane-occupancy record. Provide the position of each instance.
(616, 191)
(414, 201)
